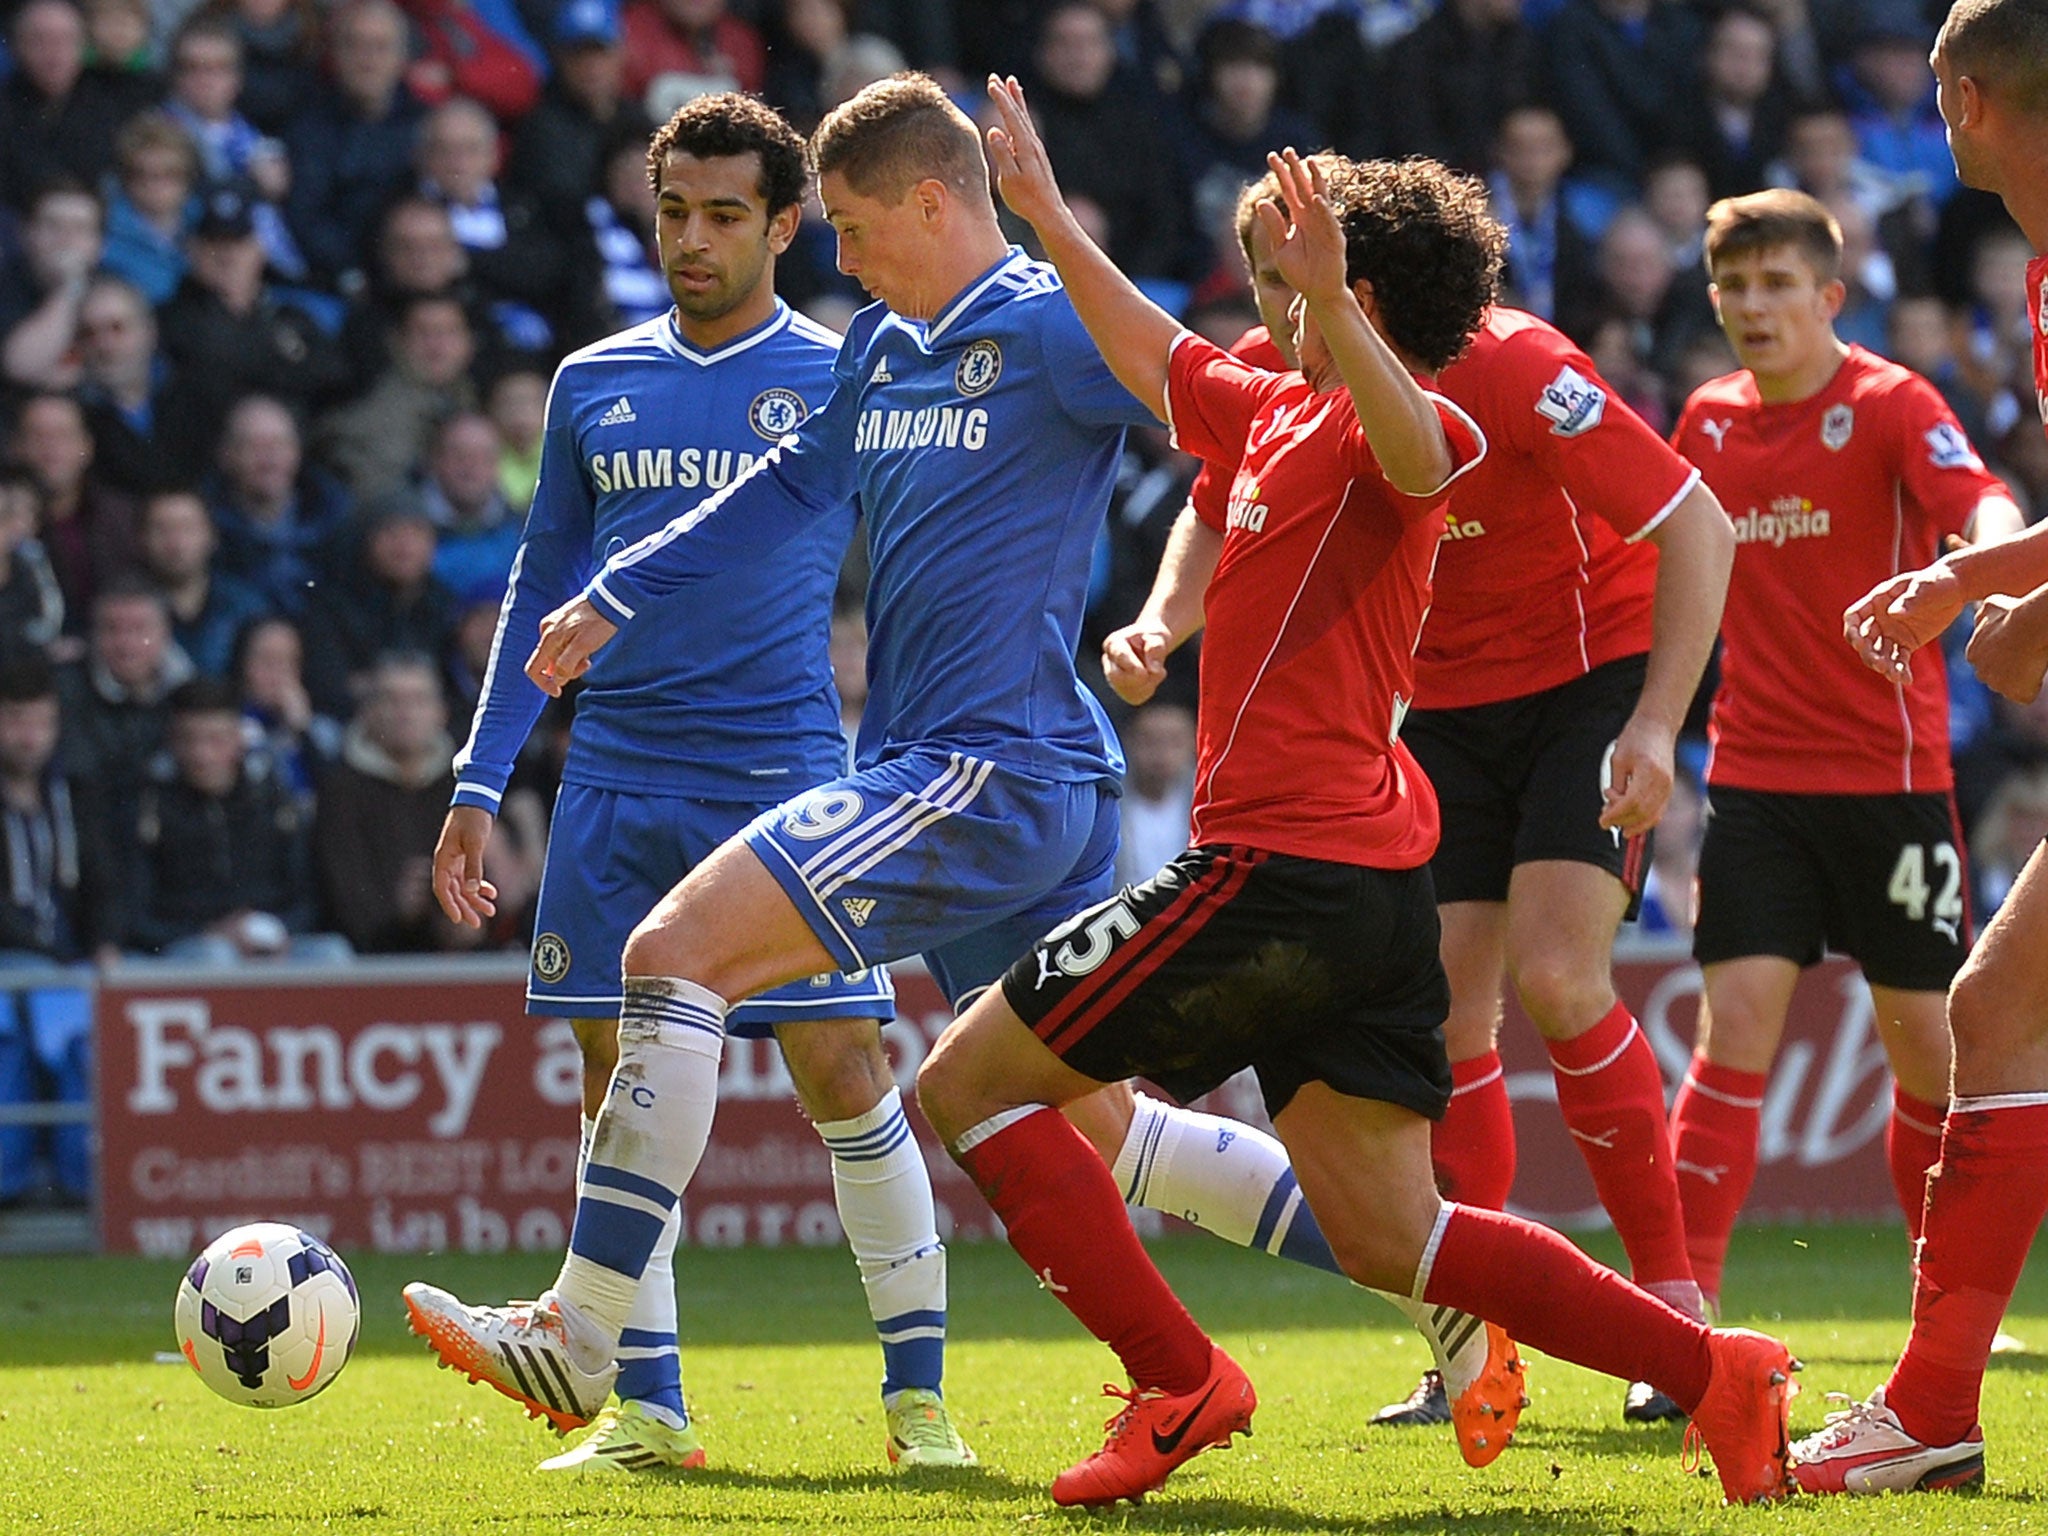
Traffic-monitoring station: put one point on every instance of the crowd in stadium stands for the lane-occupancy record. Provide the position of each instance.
(282, 283)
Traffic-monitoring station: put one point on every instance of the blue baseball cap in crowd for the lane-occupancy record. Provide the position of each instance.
(580, 23)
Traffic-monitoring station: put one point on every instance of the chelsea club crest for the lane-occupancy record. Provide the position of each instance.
(978, 369)
(776, 413)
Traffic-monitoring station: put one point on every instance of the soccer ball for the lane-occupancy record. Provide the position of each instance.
(267, 1315)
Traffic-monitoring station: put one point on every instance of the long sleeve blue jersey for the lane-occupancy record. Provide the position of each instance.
(981, 446)
(719, 692)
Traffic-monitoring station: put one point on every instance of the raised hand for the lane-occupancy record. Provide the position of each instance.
(1023, 170)
(1899, 615)
(1307, 241)
(569, 637)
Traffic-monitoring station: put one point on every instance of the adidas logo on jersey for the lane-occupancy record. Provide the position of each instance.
(860, 909)
(621, 412)
(881, 375)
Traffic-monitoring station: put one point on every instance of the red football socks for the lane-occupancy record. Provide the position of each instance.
(1550, 1296)
(1912, 1145)
(1713, 1147)
(1473, 1146)
(1065, 1218)
(1612, 1096)
(1984, 1203)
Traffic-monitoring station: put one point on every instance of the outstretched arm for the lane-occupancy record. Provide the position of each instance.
(1398, 418)
(1134, 657)
(1134, 335)
(1898, 616)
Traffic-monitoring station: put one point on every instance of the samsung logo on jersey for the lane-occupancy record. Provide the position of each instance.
(1790, 517)
(663, 469)
(935, 426)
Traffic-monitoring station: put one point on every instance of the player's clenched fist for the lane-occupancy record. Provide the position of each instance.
(569, 637)
(1134, 661)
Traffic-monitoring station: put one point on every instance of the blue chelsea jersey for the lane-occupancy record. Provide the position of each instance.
(723, 692)
(982, 447)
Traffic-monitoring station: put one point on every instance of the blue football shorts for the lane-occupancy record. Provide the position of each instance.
(940, 854)
(611, 857)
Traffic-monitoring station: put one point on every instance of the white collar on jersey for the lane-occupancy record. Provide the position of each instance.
(936, 328)
(672, 337)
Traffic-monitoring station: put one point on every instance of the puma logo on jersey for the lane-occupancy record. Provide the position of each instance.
(859, 909)
(620, 413)
(1470, 528)
(1718, 431)
(1790, 517)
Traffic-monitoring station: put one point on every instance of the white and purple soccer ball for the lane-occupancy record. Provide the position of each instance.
(267, 1315)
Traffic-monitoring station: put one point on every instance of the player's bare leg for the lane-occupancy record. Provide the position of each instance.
(1985, 1202)
(1233, 1180)
(884, 1194)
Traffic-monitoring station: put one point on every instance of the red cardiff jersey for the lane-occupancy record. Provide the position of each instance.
(1829, 496)
(2037, 293)
(1541, 578)
(1311, 618)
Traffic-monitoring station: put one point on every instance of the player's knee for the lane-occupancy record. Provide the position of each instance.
(942, 1088)
(1986, 1016)
(1563, 997)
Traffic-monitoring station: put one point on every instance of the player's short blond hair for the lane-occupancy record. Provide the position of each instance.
(1772, 220)
(2003, 46)
(896, 133)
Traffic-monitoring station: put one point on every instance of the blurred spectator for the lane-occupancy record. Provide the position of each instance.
(219, 867)
(559, 152)
(351, 147)
(115, 707)
(1615, 68)
(678, 50)
(1889, 89)
(53, 831)
(117, 42)
(1549, 269)
(518, 407)
(630, 285)
(2022, 458)
(1733, 119)
(1330, 58)
(1107, 148)
(849, 654)
(1675, 195)
(1922, 335)
(478, 530)
(31, 605)
(855, 65)
(209, 611)
(206, 83)
(515, 260)
(1821, 158)
(802, 35)
(88, 529)
(469, 658)
(1667, 903)
(376, 442)
(61, 245)
(2012, 826)
(479, 50)
(1452, 80)
(387, 598)
(1640, 284)
(416, 254)
(57, 120)
(229, 334)
(1158, 790)
(146, 431)
(279, 717)
(1610, 340)
(1995, 362)
(280, 520)
(380, 813)
(1234, 122)
(1870, 284)
(150, 204)
(280, 56)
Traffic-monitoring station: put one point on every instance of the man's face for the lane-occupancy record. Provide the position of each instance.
(52, 441)
(49, 47)
(421, 254)
(1962, 114)
(404, 714)
(368, 54)
(401, 551)
(884, 247)
(1075, 54)
(130, 636)
(1271, 293)
(177, 536)
(230, 266)
(465, 463)
(207, 747)
(62, 236)
(1820, 150)
(206, 76)
(1739, 58)
(712, 227)
(260, 453)
(28, 736)
(435, 343)
(1776, 312)
(459, 152)
(1534, 150)
(592, 73)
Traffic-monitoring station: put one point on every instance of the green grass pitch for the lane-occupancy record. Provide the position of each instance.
(781, 1368)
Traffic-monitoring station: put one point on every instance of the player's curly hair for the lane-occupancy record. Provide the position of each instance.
(727, 124)
(1423, 236)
